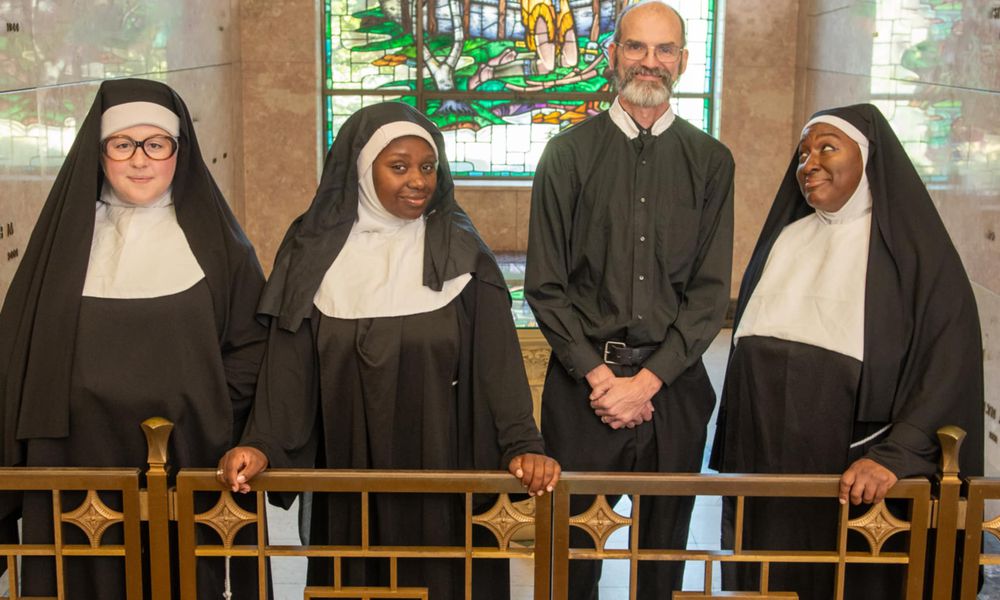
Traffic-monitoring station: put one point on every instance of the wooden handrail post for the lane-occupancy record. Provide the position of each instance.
(949, 500)
(157, 430)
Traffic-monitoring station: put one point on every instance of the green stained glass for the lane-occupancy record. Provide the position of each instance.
(922, 89)
(498, 77)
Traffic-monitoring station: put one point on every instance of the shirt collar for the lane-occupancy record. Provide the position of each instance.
(627, 124)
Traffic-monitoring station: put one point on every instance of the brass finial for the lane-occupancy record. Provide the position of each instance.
(950, 437)
(157, 430)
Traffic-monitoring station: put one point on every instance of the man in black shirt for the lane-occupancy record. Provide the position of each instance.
(629, 260)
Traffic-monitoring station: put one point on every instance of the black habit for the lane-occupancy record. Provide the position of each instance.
(631, 241)
(790, 407)
(79, 374)
(444, 389)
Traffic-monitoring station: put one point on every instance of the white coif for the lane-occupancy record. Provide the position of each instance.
(813, 287)
(139, 251)
(379, 272)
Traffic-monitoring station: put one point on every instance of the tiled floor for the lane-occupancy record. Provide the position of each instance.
(991, 587)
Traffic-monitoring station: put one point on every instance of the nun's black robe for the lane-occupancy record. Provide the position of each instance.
(790, 407)
(445, 389)
(408, 392)
(112, 390)
(79, 374)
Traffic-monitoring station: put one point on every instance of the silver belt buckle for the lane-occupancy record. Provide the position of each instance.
(607, 348)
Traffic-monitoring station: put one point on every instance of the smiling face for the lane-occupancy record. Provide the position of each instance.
(405, 176)
(647, 82)
(140, 180)
(830, 167)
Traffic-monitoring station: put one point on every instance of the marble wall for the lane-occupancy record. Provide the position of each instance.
(931, 68)
(758, 121)
(53, 56)
(499, 212)
(280, 121)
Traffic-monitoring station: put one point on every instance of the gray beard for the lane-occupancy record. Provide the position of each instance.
(645, 94)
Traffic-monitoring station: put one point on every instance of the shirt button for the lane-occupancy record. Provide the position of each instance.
(643, 200)
(643, 162)
(642, 278)
(642, 238)
(639, 317)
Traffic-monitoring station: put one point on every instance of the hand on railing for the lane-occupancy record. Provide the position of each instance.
(865, 481)
(238, 466)
(537, 472)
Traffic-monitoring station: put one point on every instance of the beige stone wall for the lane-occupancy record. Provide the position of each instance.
(499, 212)
(280, 121)
(758, 121)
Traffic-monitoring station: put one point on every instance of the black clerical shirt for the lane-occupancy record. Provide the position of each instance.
(631, 240)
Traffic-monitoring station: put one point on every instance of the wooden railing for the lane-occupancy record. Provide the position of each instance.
(548, 519)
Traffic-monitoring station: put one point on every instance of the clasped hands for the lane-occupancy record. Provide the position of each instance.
(538, 473)
(622, 401)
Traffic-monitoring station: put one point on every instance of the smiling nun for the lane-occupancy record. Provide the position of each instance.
(135, 298)
(856, 338)
(391, 346)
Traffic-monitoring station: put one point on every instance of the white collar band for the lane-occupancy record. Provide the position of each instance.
(626, 123)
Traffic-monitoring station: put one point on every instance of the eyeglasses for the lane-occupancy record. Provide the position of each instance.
(122, 147)
(665, 53)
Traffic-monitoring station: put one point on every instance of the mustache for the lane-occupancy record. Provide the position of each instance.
(637, 70)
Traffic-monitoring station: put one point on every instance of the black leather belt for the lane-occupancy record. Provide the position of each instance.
(618, 353)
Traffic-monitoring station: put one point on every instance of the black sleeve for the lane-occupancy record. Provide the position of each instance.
(285, 417)
(244, 339)
(907, 452)
(705, 298)
(553, 197)
(942, 384)
(500, 382)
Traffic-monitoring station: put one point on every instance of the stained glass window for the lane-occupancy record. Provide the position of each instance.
(499, 77)
(919, 84)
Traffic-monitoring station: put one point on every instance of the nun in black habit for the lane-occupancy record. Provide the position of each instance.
(856, 337)
(391, 347)
(135, 298)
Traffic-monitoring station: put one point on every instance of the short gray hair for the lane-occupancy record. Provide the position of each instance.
(628, 9)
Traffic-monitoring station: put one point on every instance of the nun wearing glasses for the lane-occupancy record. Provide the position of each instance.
(135, 298)
(856, 337)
